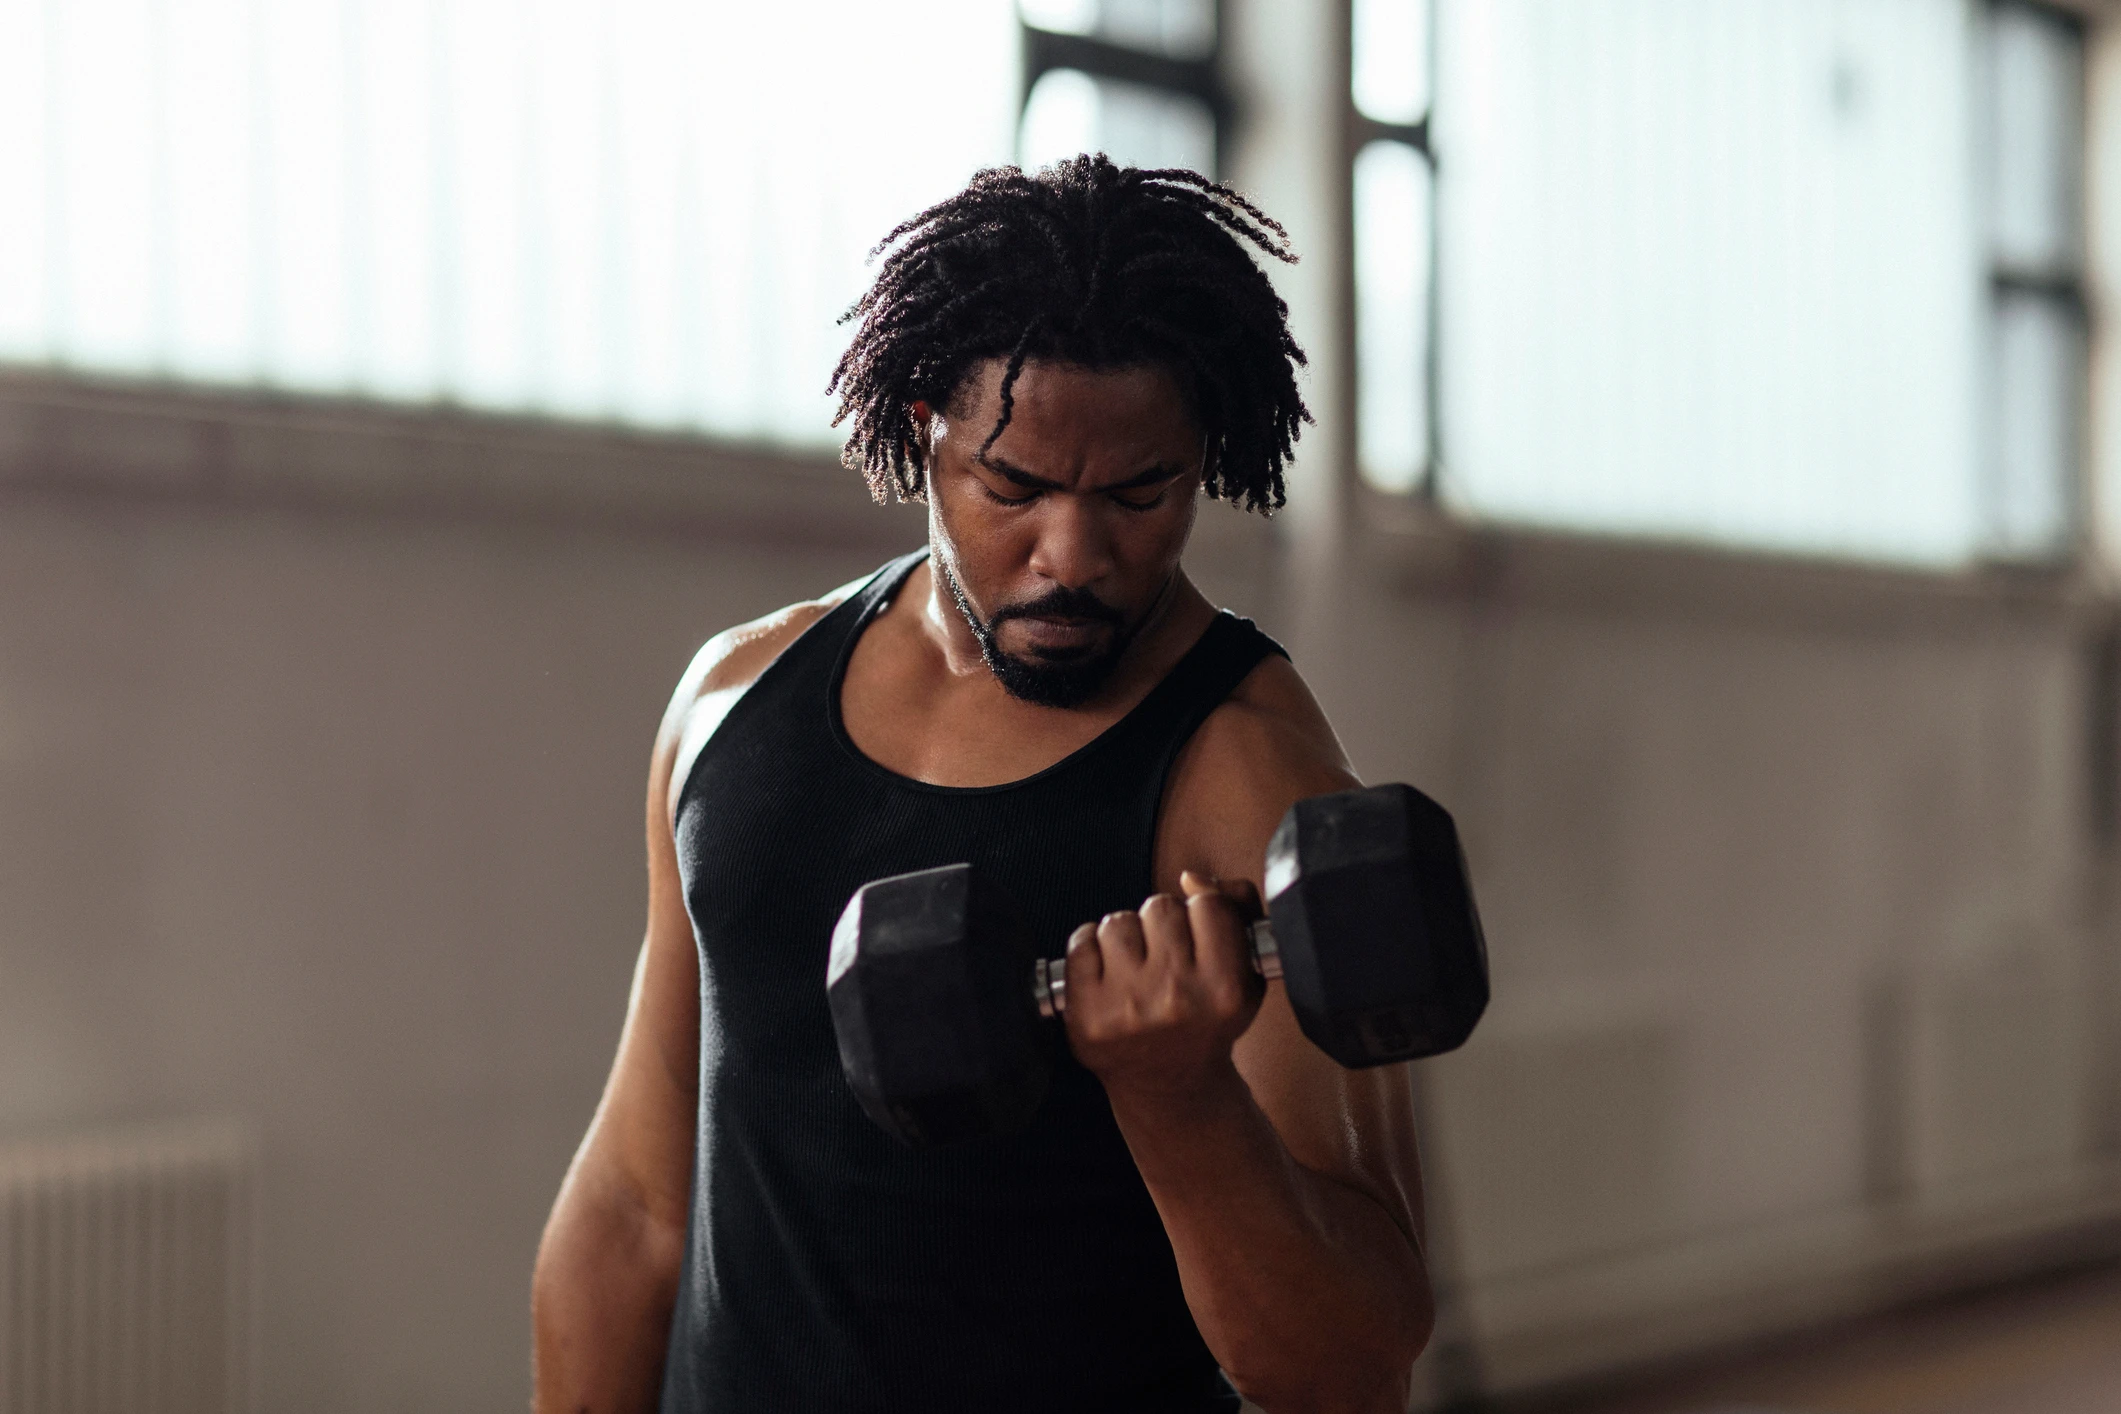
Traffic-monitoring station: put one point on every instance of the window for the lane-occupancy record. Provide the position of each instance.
(1707, 272)
(2033, 75)
(1392, 184)
(647, 210)
(1137, 80)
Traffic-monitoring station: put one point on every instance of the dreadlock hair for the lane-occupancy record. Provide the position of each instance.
(1084, 263)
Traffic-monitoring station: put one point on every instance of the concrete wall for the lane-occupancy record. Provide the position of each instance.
(322, 744)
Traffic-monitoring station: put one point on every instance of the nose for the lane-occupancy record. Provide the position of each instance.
(1074, 547)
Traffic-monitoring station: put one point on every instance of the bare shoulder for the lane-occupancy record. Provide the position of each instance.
(735, 657)
(1267, 746)
(726, 665)
(1273, 721)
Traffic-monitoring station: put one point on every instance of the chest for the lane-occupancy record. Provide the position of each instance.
(907, 711)
(779, 825)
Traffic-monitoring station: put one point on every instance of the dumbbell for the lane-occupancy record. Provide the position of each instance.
(939, 993)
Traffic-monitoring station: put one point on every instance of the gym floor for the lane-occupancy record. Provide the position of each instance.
(2046, 1347)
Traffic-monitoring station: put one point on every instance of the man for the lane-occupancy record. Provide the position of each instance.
(1059, 365)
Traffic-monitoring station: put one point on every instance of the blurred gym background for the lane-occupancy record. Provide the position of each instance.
(1715, 500)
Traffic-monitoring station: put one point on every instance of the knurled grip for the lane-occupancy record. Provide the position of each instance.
(1049, 975)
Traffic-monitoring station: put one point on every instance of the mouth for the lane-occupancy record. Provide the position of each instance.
(1058, 636)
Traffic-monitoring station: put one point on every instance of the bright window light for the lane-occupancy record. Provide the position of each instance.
(1061, 16)
(104, 263)
(646, 210)
(28, 324)
(1070, 112)
(215, 188)
(2037, 368)
(2036, 96)
(1392, 314)
(1708, 271)
(1391, 59)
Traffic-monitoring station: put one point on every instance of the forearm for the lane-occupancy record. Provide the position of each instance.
(606, 1276)
(1309, 1295)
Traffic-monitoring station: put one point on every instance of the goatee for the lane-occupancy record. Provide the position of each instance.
(1061, 680)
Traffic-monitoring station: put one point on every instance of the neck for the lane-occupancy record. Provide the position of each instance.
(1178, 611)
(946, 626)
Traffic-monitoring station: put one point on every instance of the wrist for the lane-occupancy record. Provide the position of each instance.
(1176, 1093)
(1179, 1122)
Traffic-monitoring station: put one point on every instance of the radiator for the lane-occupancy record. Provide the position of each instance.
(125, 1273)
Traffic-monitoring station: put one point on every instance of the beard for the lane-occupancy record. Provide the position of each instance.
(1065, 679)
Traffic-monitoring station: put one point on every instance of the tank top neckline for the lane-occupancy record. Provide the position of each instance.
(881, 590)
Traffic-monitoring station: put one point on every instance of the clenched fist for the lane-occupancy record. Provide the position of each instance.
(1157, 997)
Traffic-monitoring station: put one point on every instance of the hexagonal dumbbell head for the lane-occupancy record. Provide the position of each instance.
(930, 997)
(1381, 949)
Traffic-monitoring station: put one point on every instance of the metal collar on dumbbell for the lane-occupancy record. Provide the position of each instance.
(1049, 983)
(1049, 975)
(1266, 953)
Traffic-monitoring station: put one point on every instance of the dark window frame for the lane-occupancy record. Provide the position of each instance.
(2062, 286)
(1197, 77)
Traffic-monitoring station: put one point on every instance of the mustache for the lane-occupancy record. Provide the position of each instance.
(1059, 602)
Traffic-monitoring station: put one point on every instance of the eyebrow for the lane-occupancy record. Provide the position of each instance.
(1017, 476)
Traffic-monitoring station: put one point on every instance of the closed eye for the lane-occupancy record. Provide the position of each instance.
(999, 499)
(1132, 504)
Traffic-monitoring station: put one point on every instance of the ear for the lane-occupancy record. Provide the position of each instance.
(922, 418)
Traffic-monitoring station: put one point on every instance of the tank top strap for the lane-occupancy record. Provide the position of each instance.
(816, 660)
(883, 586)
(1222, 657)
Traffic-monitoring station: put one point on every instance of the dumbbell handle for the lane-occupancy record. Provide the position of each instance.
(1049, 975)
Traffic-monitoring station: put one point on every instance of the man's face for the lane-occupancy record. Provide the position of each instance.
(1059, 542)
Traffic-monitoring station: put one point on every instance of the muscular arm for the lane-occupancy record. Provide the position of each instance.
(607, 1269)
(1290, 1188)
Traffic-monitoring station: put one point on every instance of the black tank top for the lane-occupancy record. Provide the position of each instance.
(828, 1267)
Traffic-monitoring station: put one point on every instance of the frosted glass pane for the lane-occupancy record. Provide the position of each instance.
(571, 257)
(2038, 367)
(1390, 59)
(1060, 16)
(1391, 314)
(304, 181)
(517, 204)
(398, 308)
(1060, 118)
(649, 81)
(211, 133)
(488, 165)
(26, 321)
(104, 279)
(2036, 101)
(1069, 112)
(1707, 271)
